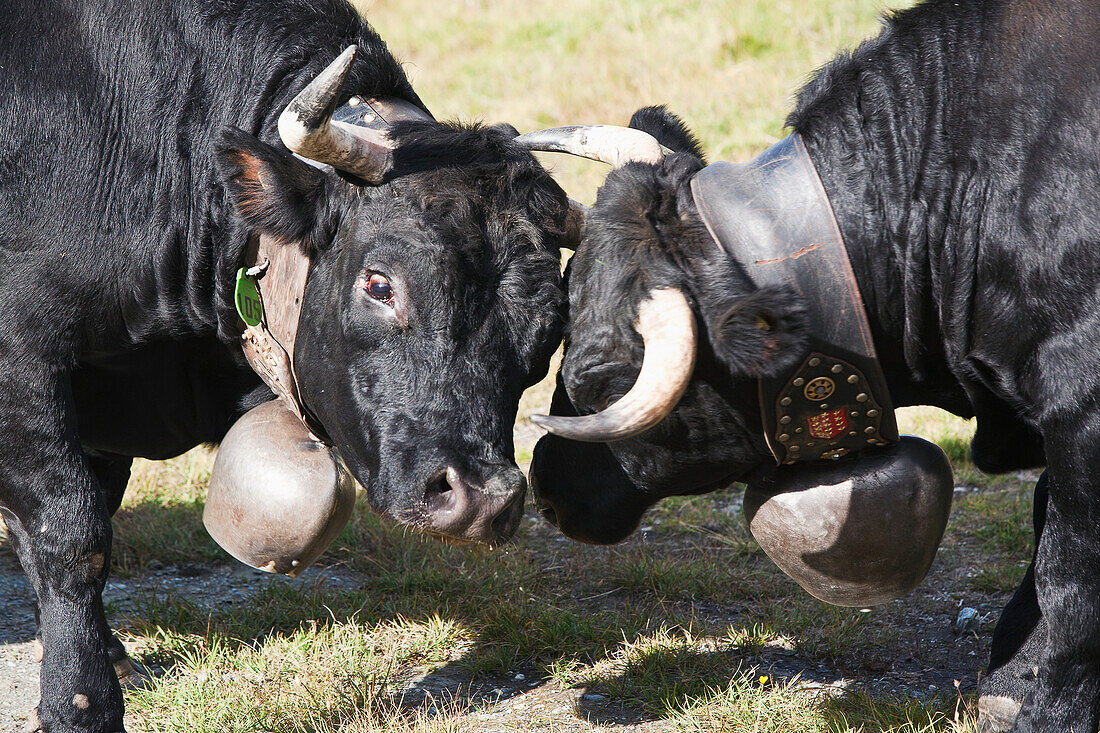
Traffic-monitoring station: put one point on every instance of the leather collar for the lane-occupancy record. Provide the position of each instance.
(773, 217)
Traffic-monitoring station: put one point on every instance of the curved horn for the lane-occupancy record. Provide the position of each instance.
(667, 327)
(307, 128)
(608, 143)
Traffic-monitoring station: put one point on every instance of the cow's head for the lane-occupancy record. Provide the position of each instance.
(434, 298)
(665, 341)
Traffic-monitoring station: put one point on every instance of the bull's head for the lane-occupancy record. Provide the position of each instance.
(666, 338)
(433, 300)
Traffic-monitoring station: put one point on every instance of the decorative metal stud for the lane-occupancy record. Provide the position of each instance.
(837, 368)
(872, 413)
(819, 389)
(785, 420)
(785, 401)
(852, 379)
(798, 382)
(355, 102)
(784, 438)
(815, 361)
(870, 430)
(861, 397)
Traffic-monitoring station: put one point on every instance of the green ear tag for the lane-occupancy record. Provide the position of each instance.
(249, 306)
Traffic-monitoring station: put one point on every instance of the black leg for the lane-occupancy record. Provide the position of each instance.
(113, 473)
(1066, 693)
(58, 517)
(1018, 643)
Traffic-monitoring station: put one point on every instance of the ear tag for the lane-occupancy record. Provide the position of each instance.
(249, 306)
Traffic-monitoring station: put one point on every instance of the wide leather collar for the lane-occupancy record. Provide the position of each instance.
(773, 217)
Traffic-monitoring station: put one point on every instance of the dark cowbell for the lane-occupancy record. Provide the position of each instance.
(857, 532)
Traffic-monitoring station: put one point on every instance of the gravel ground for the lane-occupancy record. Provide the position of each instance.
(18, 670)
(925, 660)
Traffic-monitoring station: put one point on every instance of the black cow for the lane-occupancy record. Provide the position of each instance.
(960, 153)
(132, 174)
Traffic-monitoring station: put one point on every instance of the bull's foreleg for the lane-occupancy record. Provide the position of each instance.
(58, 519)
(1066, 693)
(1018, 643)
(113, 473)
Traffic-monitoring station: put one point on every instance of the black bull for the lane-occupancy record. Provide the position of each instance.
(131, 175)
(960, 153)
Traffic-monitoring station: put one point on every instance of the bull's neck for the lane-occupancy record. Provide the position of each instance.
(878, 127)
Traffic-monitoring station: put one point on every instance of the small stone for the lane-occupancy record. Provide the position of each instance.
(968, 621)
(592, 697)
(521, 677)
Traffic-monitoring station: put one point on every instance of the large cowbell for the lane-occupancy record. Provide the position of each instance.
(859, 531)
(278, 497)
(853, 511)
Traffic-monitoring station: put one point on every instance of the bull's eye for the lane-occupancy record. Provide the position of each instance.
(377, 287)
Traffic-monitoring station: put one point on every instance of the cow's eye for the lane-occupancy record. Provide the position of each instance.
(377, 287)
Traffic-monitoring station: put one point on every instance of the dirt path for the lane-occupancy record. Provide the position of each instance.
(18, 670)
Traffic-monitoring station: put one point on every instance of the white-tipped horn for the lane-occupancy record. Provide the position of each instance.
(667, 328)
(307, 128)
(616, 146)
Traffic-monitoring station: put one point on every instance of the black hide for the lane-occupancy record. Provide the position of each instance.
(131, 173)
(959, 151)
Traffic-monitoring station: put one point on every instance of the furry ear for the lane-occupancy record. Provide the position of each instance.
(760, 334)
(274, 192)
(670, 130)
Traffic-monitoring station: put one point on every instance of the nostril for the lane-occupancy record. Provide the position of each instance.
(439, 494)
(548, 514)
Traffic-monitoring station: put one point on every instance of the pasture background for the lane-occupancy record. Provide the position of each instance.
(687, 626)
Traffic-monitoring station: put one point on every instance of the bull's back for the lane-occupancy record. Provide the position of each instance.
(109, 199)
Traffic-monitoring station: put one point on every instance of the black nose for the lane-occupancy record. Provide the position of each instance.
(488, 512)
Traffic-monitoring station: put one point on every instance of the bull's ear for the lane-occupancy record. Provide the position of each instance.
(274, 192)
(758, 335)
(669, 129)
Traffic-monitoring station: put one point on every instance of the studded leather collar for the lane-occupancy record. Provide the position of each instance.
(773, 217)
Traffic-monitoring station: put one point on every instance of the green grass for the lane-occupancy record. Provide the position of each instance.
(749, 704)
(161, 519)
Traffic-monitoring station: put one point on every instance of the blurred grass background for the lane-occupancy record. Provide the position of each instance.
(729, 67)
